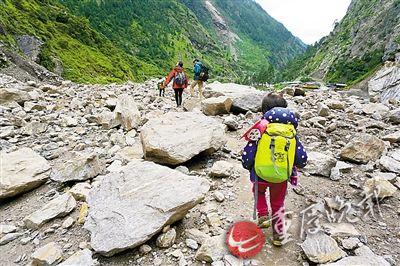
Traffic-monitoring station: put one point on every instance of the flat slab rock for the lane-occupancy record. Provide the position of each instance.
(21, 171)
(128, 207)
(176, 137)
(80, 258)
(321, 248)
(58, 207)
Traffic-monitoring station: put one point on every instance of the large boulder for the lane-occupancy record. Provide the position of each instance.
(362, 149)
(126, 112)
(375, 108)
(385, 83)
(175, 137)
(216, 105)
(320, 164)
(76, 166)
(22, 170)
(379, 185)
(128, 207)
(58, 207)
(245, 98)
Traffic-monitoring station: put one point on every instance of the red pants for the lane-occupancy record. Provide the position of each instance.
(277, 193)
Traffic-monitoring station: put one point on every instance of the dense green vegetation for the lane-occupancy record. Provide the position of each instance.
(102, 41)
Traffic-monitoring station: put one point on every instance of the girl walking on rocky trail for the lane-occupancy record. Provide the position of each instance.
(272, 156)
(181, 82)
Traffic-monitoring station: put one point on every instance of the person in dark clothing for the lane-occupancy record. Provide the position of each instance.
(181, 82)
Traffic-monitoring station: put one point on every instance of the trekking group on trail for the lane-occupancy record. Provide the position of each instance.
(181, 81)
(272, 155)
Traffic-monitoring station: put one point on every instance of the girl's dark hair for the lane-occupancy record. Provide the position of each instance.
(273, 100)
(180, 63)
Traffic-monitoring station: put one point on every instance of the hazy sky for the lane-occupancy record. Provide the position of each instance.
(310, 20)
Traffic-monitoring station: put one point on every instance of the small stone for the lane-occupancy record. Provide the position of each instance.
(50, 254)
(68, 222)
(25, 240)
(213, 249)
(219, 196)
(83, 245)
(9, 237)
(83, 212)
(166, 240)
(351, 243)
(183, 169)
(197, 235)
(144, 249)
(213, 220)
(191, 244)
(80, 258)
(80, 191)
(7, 228)
(177, 253)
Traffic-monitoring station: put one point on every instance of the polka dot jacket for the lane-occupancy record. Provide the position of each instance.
(275, 115)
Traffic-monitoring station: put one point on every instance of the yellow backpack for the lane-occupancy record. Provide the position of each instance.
(275, 153)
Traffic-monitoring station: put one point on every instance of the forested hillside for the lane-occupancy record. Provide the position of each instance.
(106, 41)
(367, 36)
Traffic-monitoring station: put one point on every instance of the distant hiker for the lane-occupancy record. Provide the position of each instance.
(161, 87)
(272, 159)
(180, 82)
(200, 75)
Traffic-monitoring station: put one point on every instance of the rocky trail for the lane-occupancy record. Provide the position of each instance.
(115, 175)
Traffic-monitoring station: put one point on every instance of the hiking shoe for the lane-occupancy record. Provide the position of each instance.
(263, 222)
(277, 239)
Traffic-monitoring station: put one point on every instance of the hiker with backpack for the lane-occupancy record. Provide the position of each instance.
(180, 82)
(161, 87)
(272, 155)
(200, 76)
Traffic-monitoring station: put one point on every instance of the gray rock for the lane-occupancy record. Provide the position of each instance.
(21, 171)
(34, 128)
(375, 108)
(351, 243)
(320, 164)
(80, 191)
(7, 228)
(323, 110)
(76, 166)
(363, 148)
(320, 248)
(385, 83)
(340, 229)
(380, 185)
(68, 222)
(244, 98)
(394, 116)
(213, 249)
(80, 258)
(144, 249)
(393, 137)
(126, 112)
(10, 95)
(224, 169)
(160, 146)
(219, 196)
(191, 243)
(183, 169)
(197, 235)
(167, 239)
(141, 199)
(50, 254)
(390, 164)
(231, 123)
(58, 207)
(216, 105)
(9, 237)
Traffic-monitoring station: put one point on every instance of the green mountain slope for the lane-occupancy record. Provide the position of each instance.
(116, 40)
(367, 36)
